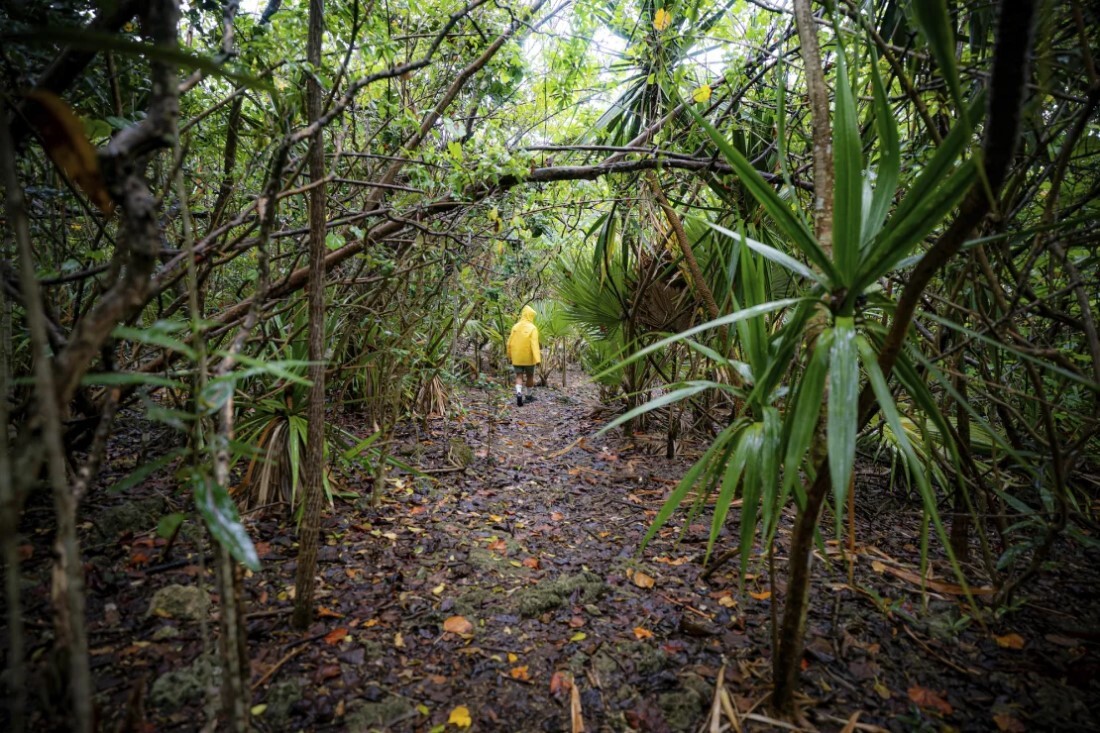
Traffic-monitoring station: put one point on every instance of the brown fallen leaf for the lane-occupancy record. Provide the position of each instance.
(499, 546)
(762, 595)
(1009, 641)
(556, 516)
(926, 698)
(458, 625)
(643, 581)
(576, 622)
(559, 683)
(323, 612)
(531, 562)
(336, 636)
(575, 715)
(1007, 724)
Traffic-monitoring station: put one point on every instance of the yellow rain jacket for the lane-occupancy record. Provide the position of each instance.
(523, 344)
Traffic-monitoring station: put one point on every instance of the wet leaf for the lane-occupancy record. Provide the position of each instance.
(930, 699)
(460, 717)
(458, 625)
(336, 636)
(643, 581)
(1009, 641)
(1007, 724)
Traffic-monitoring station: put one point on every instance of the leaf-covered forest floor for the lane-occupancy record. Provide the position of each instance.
(493, 591)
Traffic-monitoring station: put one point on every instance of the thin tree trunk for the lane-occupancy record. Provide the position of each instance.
(315, 445)
(68, 573)
(11, 504)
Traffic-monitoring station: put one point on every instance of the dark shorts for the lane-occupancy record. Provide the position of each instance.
(526, 371)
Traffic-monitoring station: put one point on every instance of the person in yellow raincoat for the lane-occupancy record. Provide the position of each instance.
(523, 352)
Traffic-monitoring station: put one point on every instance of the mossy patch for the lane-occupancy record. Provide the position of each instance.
(376, 716)
(180, 602)
(279, 699)
(551, 594)
(172, 690)
(682, 708)
(138, 515)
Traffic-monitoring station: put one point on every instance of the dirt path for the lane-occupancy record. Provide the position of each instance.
(492, 592)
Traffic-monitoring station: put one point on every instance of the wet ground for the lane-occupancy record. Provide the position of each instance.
(504, 591)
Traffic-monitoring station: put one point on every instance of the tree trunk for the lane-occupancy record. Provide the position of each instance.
(315, 445)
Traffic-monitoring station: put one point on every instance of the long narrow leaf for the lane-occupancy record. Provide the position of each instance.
(842, 409)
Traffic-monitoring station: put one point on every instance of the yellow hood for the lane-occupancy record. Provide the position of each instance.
(527, 314)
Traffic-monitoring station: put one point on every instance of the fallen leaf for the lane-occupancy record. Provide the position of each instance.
(519, 673)
(762, 595)
(559, 682)
(643, 581)
(727, 602)
(512, 658)
(882, 690)
(336, 636)
(878, 566)
(258, 710)
(1009, 641)
(576, 622)
(438, 590)
(458, 625)
(1007, 724)
(531, 562)
(399, 640)
(926, 698)
(642, 633)
(499, 546)
(579, 636)
(556, 516)
(460, 716)
(323, 612)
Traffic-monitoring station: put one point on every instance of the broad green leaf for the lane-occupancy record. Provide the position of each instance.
(889, 156)
(848, 168)
(730, 318)
(781, 213)
(843, 409)
(731, 477)
(116, 379)
(220, 514)
(771, 253)
(802, 419)
(660, 401)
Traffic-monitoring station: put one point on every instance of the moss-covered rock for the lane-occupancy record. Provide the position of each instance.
(683, 709)
(180, 602)
(551, 594)
(364, 717)
(280, 697)
(134, 516)
(172, 690)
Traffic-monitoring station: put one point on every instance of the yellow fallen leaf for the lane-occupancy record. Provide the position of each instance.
(878, 566)
(882, 690)
(643, 581)
(727, 602)
(642, 633)
(460, 716)
(701, 94)
(762, 595)
(1009, 641)
(438, 590)
(258, 710)
(398, 640)
(512, 658)
(579, 636)
(661, 19)
(458, 625)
